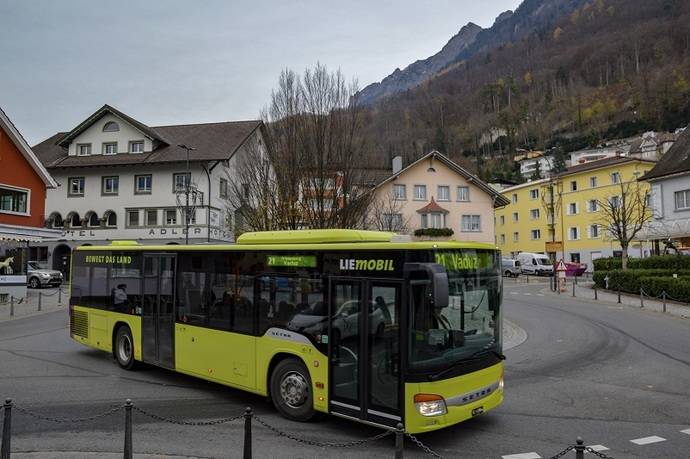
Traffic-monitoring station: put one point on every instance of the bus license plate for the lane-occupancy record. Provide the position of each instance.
(477, 411)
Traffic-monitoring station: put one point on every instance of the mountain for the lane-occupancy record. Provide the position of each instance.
(421, 70)
(470, 40)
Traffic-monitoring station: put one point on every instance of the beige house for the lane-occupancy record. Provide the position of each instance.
(435, 192)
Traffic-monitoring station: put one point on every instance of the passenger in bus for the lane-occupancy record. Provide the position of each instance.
(381, 304)
(119, 298)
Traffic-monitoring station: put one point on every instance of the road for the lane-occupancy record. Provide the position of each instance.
(607, 373)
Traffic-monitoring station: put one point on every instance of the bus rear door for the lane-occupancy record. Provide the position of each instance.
(158, 321)
(364, 348)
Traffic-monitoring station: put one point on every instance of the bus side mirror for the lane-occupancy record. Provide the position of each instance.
(438, 277)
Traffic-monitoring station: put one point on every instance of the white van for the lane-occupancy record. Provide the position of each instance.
(535, 263)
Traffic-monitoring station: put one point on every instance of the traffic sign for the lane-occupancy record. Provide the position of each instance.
(560, 266)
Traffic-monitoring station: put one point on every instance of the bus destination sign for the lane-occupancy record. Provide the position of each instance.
(292, 261)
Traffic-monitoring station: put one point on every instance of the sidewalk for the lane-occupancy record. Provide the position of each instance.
(89, 455)
(51, 299)
(584, 290)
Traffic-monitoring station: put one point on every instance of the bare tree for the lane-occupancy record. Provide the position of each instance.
(386, 214)
(625, 214)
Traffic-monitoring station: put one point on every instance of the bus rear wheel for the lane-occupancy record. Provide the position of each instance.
(291, 390)
(124, 348)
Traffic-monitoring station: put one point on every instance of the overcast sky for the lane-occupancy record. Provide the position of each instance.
(176, 62)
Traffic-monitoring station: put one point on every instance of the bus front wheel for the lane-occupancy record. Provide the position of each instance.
(291, 390)
(124, 348)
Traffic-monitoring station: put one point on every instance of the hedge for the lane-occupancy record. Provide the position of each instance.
(676, 289)
(652, 281)
(675, 262)
(434, 232)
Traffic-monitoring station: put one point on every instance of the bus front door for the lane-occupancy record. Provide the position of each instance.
(157, 319)
(365, 350)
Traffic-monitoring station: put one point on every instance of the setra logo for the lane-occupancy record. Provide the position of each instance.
(354, 264)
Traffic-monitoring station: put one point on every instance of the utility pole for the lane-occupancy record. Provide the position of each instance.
(187, 191)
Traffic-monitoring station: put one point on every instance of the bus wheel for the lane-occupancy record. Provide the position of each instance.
(124, 348)
(291, 390)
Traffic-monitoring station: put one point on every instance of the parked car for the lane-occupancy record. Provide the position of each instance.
(535, 263)
(345, 322)
(510, 267)
(38, 277)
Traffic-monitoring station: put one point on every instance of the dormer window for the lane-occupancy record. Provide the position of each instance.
(111, 126)
(110, 148)
(136, 147)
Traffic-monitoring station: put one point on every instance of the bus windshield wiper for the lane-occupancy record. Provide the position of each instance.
(486, 351)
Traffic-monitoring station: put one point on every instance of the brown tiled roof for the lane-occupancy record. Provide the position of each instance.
(432, 207)
(612, 161)
(676, 159)
(213, 142)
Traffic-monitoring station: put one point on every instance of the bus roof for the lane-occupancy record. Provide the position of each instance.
(326, 239)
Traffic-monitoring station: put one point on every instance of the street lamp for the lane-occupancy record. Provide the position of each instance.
(188, 191)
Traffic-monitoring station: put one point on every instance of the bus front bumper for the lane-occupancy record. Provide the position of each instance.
(463, 397)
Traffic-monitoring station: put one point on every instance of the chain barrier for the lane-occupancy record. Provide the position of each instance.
(564, 452)
(67, 420)
(186, 423)
(597, 453)
(347, 444)
(422, 446)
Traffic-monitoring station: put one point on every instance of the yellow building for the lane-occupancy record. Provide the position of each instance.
(576, 233)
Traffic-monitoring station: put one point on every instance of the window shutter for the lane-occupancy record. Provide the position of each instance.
(657, 203)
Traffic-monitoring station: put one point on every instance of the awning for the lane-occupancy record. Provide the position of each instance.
(16, 233)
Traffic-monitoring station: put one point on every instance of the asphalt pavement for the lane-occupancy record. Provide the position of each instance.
(613, 374)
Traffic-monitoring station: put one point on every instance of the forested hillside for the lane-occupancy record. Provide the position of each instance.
(608, 68)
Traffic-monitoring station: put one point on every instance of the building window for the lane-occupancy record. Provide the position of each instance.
(76, 186)
(136, 146)
(615, 178)
(223, 188)
(534, 214)
(515, 217)
(574, 257)
(682, 199)
(536, 234)
(443, 193)
(171, 217)
(572, 208)
(471, 223)
(399, 192)
(142, 184)
(534, 194)
(132, 218)
(84, 149)
(463, 193)
(93, 220)
(181, 181)
(615, 201)
(110, 148)
(14, 200)
(514, 198)
(592, 182)
(425, 221)
(502, 219)
(593, 231)
(573, 185)
(151, 217)
(111, 126)
(111, 219)
(574, 233)
(420, 192)
(437, 220)
(392, 221)
(516, 236)
(110, 185)
(592, 205)
(503, 238)
(74, 220)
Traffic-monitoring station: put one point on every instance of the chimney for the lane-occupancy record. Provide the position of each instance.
(397, 164)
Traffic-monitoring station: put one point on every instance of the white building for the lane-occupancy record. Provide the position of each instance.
(119, 179)
(530, 161)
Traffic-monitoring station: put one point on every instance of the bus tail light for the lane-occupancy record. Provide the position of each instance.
(430, 404)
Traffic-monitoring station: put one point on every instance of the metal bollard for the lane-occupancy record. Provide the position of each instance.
(247, 433)
(619, 294)
(663, 297)
(399, 440)
(59, 296)
(641, 298)
(11, 306)
(574, 288)
(6, 430)
(128, 454)
(40, 299)
(527, 278)
(595, 292)
(580, 449)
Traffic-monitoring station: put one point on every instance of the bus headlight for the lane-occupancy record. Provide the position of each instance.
(430, 404)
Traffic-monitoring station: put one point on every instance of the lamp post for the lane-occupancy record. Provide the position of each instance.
(187, 191)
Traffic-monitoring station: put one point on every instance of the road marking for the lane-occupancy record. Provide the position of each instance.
(598, 448)
(528, 294)
(647, 440)
(686, 431)
(540, 294)
(514, 293)
(522, 456)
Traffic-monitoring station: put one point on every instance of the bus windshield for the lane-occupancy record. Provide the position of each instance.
(470, 325)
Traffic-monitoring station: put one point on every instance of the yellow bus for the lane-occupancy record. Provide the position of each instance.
(359, 324)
